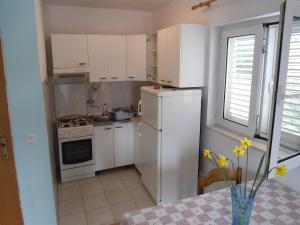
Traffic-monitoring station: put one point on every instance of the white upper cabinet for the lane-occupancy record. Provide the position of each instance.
(98, 57)
(117, 57)
(162, 56)
(181, 55)
(107, 56)
(69, 51)
(136, 57)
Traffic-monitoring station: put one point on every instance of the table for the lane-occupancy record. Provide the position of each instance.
(275, 204)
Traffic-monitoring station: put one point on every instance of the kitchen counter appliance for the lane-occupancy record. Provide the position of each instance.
(169, 147)
(76, 147)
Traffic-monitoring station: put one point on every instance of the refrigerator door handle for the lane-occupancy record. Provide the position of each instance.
(140, 107)
(139, 129)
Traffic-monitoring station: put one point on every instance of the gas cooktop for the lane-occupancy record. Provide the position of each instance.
(73, 122)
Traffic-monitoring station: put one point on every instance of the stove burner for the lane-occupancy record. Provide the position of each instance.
(73, 122)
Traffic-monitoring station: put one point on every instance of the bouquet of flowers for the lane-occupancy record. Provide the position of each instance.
(243, 195)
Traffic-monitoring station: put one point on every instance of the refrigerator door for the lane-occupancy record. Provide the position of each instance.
(150, 160)
(180, 146)
(151, 110)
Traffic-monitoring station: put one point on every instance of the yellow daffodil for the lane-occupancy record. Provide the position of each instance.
(223, 161)
(207, 153)
(245, 142)
(280, 170)
(239, 150)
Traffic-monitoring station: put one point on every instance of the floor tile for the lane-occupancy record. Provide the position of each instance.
(73, 219)
(100, 216)
(95, 201)
(68, 184)
(91, 189)
(131, 180)
(69, 193)
(137, 191)
(108, 175)
(144, 202)
(88, 180)
(128, 172)
(119, 195)
(120, 209)
(112, 184)
(70, 207)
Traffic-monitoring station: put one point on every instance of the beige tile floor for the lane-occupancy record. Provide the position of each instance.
(102, 199)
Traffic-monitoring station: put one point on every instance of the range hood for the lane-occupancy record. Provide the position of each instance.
(71, 75)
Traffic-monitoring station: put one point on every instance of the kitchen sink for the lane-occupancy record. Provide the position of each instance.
(102, 120)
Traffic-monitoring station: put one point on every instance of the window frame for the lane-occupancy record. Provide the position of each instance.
(258, 31)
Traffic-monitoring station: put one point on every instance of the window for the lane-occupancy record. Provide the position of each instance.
(240, 70)
(240, 53)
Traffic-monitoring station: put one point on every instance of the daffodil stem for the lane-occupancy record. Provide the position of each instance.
(262, 180)
(245, 190)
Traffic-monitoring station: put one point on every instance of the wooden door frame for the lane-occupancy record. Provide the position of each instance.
(10, 208)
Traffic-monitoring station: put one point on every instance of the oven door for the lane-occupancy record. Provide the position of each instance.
(76, 152)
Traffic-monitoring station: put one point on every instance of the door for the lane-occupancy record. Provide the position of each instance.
(69, 51)
(173, 55)
(150, 159)
(104, 147)
(284, 141)
(123, 150)
(117, 57)
(98, 58)
(162, 56)
(151, 110)
(10, 210)
(136, 57)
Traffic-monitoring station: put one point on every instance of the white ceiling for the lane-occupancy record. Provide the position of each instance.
(143, 5)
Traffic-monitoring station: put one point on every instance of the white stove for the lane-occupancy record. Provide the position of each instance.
(76, 148)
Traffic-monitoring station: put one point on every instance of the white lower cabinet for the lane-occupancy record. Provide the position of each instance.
(123, 144)
(113, 145)
(104, 147)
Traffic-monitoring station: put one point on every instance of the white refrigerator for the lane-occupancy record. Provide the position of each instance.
(169, 148)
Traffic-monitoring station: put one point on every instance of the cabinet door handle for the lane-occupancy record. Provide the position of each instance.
(131, 77)
(81, 64)
(102, 78)
(168, 81)
(118, 127)
(162, 80)
(107, 128)
(114, 78)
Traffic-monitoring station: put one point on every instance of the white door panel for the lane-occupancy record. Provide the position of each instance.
(151, 110)
(104, 147)
(150, 159)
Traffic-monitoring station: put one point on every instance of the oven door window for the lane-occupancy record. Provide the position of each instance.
(74, 152)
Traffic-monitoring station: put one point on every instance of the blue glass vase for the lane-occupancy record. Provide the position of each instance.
(242, 205)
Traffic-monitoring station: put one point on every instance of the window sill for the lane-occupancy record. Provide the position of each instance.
(258, 144)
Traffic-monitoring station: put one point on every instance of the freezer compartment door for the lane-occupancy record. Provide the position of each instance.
(151, 110)
(150, 160)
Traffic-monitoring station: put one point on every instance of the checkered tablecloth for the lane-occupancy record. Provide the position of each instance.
(275, 204)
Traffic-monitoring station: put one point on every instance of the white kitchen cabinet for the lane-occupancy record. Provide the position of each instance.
(123, 144)
(98, 51)
(136, 57)
(162, 56)
(69, 51)
(104, 147)
(117, 57)
(181, 55)
(107, 56)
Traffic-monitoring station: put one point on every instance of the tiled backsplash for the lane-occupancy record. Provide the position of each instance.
(72, 98)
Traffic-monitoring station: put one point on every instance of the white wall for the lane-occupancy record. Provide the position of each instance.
(69, 19)
(220, 13)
